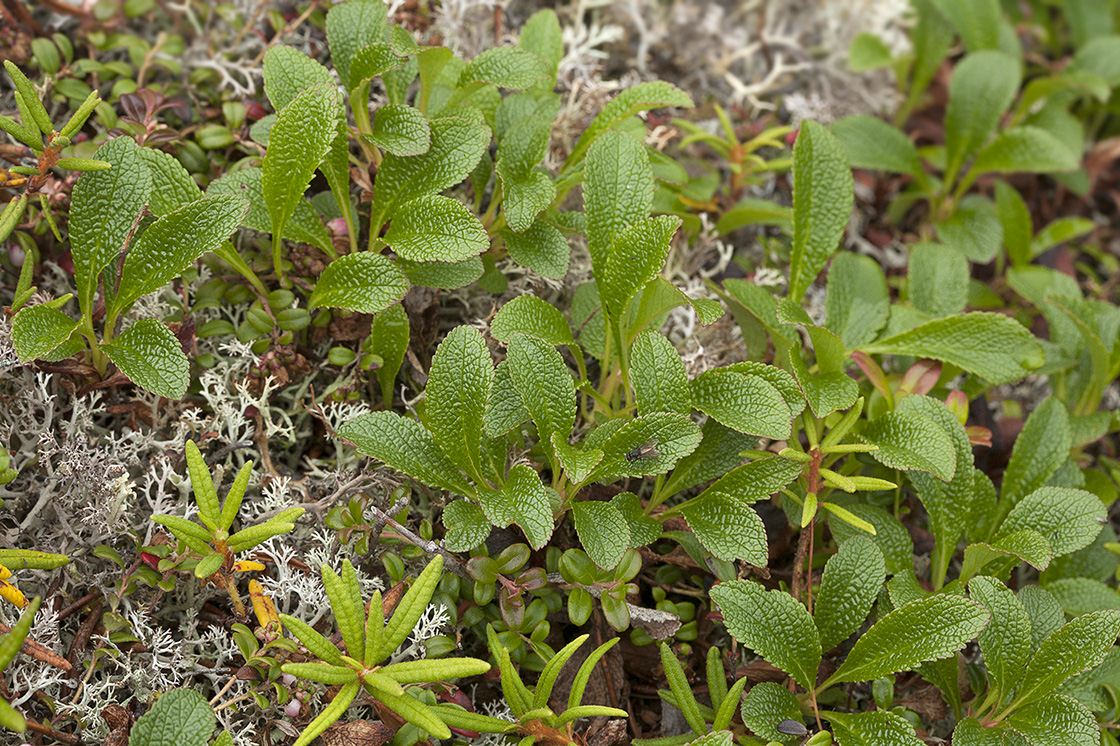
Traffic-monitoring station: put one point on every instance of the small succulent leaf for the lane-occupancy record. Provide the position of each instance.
(103, 208)
(871, 143)
(506, 67)
(923, 630)
(442, 669)
(642, 97)
(345, 695)
(410, 608)
(542, 248)
(1057, 720)
(658, 375)
(676, 436)
(1006, 642)
(466, 526)
(602, 531)
(350, 27)
(364, 282)
(436, 228)
(1068, 518)
(547, 388)
(172, 185)
(528, 314)
(636, 254)
(504, 408)
(857, 304)
(1076, 646)
(876, 728)
(982, 87)
(316, 644)
(992, 346)
(181, 717)
(152, 357)
(617, 192)
(643, 529)
(297, 143)
(458, 387)
(1041, 447)
(38, 330)
(825, 392)
(172, 243)
(525, 502)
(912, 441)
(773, 624)
(823, 195)
(726, 527)
(287, 72)
(766, 705)
(938, 279)
(851, 583)
(401, 130)
(745, 403)
(1025, 150)
(407, 446)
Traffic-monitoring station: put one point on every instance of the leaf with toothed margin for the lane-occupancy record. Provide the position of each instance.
(406, 446)
(151, 356)
(364, 282)
(523, 501)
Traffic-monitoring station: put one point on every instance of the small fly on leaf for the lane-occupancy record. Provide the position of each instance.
(646, 450)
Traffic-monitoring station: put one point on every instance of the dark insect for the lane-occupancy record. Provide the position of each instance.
(792, 728)
(644, 451)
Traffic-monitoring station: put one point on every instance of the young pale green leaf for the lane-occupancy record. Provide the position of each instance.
(876, 728)
(458, 387)
(1057, 720)
(868, 52)
(297, 143)
(466, 526)
(977, 21)
(288, 71)
(676, 436)
(527, 191)
(637, 254)
(578, 463)
(851, 583)
(1006, 641)
(912, 441)
(658, 375)
(1083, 595)
(974, 229)
(939, 277)
(406, 446)
(993, 346)
(351, 26)
(364, 282)
(742, 402)
(524, 501)
(1025, 150)
(857, 304)
(617, 192)
(546, 387)
(172, 185)
(152, 357)
(181, 717)
(642, 97)
(1077, 646)
(103, 208)
(401, 130)
(822, 202)
(345, 695)
(304, 225)
(728, 528)
(871, 143)
(504, 408)
(923, 630)
(37, 330)
(1042, 446)
(982, 87)
(766, 705)
(825, 392)
(170, 244)
(456, 145)
(1069, 518)
(773, 624)
(506, 67)
(542, 248)
(528, 314)
(412, 605)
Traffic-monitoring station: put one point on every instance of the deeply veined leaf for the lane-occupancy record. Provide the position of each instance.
(547, 389)
(824, 392)
(766, 705)
(617, 192)
(523, 501)
(1056, 720)
(1025, 150)
(304, 225)
(406, 446)
(643, 529)
(939, 278)
(37, 330)
(743, 402)
(974, 229)
(287, 71)
(759, 479)
(458, 387)
(851, 582)
(152, 357)
(982, 87)
(1042, 446)
(401, 130)
(364, 282)
(172, 185)
(726, 527)
(351, 26)
(876, 728)
(542, 248)
(658, 375)
(505, 67)
(466, 526)
(528, 314)
(1077, 646)
(857, 304)
(1006, 641)
(676, 436)
(602, 531)
(923, 630)
(1025, 546)
(1069, 518)
(822, 202)
(642, 97)
(773, 624)
(504, 408)
(180, 717)
(1083, 595)
(636, 254)
(871, 143)
(527, 191)
(912, 441)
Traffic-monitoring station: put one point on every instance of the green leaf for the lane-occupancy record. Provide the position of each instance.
(637, 254)
(602, 531)
(351, 26)
(349, 610)
(852, 580)
(436, 228)
(912, 441)
(457, 144)
(1058, 232)
(766, 705)
(871, 143)
(1005, 642)
(759, 479)
(877, 728)
(868, 52)
(974, 229)
(773, 624)
(304, 224)
(345, 695)
(541, 35)
(717, 454)
(617, 192)
(1024, 546)
(466, 526)
(891, 536)
(37, 330)
(527, 191)
(923, 630)
(528, 314)
(658, 375)
(728, 528)
(977, 21)
(1069, 518)
(825, 392)
(406, 446)
(364, 282)
(410, 608)
(297, 143)
(1045, 613)
(458, 387)
(546, 387)
(388, 339)
(577, 463)
(939, 278)
(642, 97)
(525, 502)
(750, 211)
(173, 242)
(373, 60)
(172, 185)
(181, 717)
(504, 408)
(1101, 56)
(288, 71)
(542, 248)
(1057, 720)
(992, 346)
(743, 402)
(1077, 646)
(1083, 595)
(676, 436)
(822, 203)
(444, 275)
(643, 529)
(152, 357)
(1025, 150)
(857, 304)
(103, 208)
(506, 67)
(401, 130)
(1015, 219)
(982, 87)
(1042, 446)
